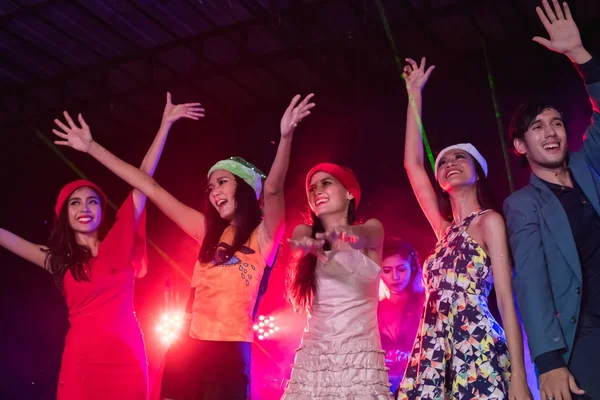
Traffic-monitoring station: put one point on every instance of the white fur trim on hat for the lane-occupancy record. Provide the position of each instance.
(469, 148)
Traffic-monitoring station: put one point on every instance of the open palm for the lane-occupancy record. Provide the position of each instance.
(563, 32)
(72, 135)
(415, 76)
(173, 112)
(294, 114)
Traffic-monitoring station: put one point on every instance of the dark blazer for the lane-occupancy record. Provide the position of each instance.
(548, 272)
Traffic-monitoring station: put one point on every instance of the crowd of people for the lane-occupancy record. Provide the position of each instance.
(380, 325)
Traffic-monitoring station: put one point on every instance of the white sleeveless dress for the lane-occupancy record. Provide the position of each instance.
(340, 356)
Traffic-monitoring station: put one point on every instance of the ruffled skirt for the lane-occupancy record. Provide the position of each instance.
(327, 370)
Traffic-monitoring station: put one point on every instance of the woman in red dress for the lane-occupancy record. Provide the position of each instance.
(104, 355)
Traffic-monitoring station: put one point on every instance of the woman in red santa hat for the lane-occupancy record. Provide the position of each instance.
(104, 355)
(336, 281)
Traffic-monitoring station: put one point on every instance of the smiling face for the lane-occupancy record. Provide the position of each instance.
(221, 193)
(396, 273)
(326, 195)
(84, 210)
(545, 141)
(456, 168)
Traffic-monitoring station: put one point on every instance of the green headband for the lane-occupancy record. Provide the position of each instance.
(243, 170)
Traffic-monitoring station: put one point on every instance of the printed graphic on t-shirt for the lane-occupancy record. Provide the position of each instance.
(222, 258)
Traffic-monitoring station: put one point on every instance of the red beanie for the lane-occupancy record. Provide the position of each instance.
(344, 175)
(69, 188)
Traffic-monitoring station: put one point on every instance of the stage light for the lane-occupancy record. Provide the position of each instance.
(169, 326)
(266, 327)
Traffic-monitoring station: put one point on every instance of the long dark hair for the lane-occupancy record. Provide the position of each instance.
(64, 253)
(484, 194)
(302, 281)
(396, 246)
(247, 216)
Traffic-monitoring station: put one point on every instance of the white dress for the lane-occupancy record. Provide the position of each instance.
(340, 356)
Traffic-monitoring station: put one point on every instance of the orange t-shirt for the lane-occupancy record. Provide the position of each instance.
(226, 291)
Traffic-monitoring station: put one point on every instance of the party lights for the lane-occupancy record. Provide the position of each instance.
(266, 327)
(169, 326)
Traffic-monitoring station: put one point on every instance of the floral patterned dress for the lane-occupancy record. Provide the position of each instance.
(460, 351)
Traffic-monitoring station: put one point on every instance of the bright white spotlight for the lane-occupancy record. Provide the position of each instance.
(266, 328)
(169, 326)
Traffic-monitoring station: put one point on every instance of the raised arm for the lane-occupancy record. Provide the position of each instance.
(496, 242)
(273, 224)
(80, 138)
(171, 114)
(564, 38)
(415, 77)
(31, 252)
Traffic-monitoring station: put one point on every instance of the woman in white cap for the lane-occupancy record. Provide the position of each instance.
(460, 351)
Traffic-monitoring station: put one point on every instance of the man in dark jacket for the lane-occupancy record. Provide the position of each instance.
(554, 229)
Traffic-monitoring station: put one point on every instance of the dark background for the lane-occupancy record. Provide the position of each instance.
(244, 60)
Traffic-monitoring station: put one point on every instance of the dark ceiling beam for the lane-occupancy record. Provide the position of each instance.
(350, 44)
(218, 70)
(175, 37)
(18, 66)
(142, 53)
(221, 70)
(65, 98)
(151, 58)
(26, 10)
(25, 94)
(100, 86)
(146, 87)
(242, 44)
(294, 37)
(35, 113)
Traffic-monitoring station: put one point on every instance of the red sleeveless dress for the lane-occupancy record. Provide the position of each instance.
(104, 355)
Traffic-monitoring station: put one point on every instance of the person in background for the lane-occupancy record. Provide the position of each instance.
(400, 304)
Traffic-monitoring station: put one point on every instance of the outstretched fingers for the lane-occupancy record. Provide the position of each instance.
(69, 120)
(61, 125)
(60, 134)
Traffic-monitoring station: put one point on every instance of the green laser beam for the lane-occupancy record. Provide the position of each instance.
(491, 80)
(398, 60)
(111, 204)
